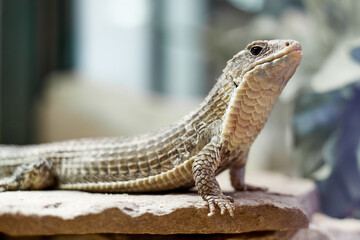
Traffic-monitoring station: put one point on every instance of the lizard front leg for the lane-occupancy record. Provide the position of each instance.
(237, 176)
(203, 168)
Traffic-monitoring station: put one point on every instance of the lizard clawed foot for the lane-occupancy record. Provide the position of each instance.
(225, 203)
(6, 184)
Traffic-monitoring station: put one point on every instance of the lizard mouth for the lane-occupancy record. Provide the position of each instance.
(279, 68)
(295, 53)
(257, 89)
(292, 48)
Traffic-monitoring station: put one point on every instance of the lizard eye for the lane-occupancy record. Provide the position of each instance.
(255, 50)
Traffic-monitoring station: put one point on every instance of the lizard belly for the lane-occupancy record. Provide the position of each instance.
(178, 177)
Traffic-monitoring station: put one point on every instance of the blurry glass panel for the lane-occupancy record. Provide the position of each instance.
(129, 14)
(113, 41)
(246, 5)
(184, 71)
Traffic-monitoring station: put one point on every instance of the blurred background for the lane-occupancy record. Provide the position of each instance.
(76, 68)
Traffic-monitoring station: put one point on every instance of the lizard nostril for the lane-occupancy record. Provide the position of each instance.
(287, 44)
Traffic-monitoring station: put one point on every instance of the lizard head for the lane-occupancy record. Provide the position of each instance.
(274, 60)
(259, 73)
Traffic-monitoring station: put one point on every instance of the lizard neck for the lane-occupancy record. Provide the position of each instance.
(249, 109)
(260, 82)
(217, 101)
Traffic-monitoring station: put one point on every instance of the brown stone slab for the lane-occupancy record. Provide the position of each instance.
(74, 212)
(268, 235)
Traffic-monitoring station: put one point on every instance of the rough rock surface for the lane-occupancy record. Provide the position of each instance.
(74, 212)
(268, 235)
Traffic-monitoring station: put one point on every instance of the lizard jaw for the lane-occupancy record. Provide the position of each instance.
(257, 91)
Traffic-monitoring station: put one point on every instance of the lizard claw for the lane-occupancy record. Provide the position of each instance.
(3, 185)
(225, 203)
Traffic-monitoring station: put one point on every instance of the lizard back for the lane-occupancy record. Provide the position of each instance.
(159, 160)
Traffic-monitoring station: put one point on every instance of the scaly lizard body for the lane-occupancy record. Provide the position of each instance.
(215, 137)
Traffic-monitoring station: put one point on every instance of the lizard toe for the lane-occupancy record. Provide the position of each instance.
(224, 203)
(212, 210)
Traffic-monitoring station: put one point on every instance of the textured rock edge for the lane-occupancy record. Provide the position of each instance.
(261, 216)
(66, 212)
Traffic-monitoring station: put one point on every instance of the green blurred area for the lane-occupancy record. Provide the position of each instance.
(36, 39)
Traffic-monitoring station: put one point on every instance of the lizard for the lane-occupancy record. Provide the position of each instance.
(192, 151)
